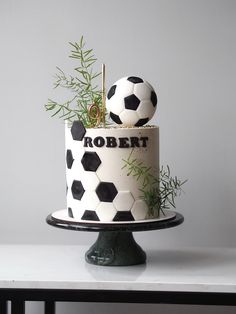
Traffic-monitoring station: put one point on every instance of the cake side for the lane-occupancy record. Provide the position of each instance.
(99, 189)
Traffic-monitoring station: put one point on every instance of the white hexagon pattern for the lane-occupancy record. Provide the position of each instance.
(90, 180)
(145, 109)
(129, 119)
(117, 107)
(142, 91)
(124, 88)
(89, 201)
(123, 201)
(106, 211)
(139, 210)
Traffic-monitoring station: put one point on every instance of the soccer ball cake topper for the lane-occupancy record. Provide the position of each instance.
(131, 101)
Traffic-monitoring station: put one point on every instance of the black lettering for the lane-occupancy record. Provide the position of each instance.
(111, 141)
(88, 142)
(144, 140)
(99, 141)
(123, 142)
(134, 141)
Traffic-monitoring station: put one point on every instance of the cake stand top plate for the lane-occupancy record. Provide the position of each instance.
(60, 219)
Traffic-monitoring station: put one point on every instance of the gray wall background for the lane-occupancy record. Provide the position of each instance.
(185, 49)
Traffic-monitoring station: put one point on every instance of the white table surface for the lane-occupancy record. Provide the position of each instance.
(64, 267)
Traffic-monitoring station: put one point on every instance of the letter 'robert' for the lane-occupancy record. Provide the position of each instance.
(111, 142)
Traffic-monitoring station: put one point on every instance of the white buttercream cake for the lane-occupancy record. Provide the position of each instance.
(98, 186)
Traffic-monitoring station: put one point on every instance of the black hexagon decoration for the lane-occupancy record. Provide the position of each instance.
(78, 130)
(154, 98)
(69, 158)
(90, 161)
(70, 213)
(135, 79)
(131, 102)
(111, 92)
(123, 216)
(115, 118)
(142, 122)
(77, 190)
(90, 215)
(106, 191)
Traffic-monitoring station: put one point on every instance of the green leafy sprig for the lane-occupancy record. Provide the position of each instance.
(82, 85)
(169, 188)
(159, 192)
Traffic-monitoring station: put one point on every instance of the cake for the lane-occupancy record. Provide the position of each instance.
(98, 185)
(110, 168)
(112, 153)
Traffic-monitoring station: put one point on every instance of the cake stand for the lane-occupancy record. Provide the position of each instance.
(115, 245)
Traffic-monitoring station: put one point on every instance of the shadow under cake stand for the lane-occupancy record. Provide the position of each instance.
(115, 245)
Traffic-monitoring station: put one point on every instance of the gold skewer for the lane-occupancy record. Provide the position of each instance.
(103, 96)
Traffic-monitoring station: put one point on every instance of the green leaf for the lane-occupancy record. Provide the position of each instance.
(56, 112)
(87, 52)
(81, 41)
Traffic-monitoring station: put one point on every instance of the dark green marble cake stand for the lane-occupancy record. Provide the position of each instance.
(115, 245)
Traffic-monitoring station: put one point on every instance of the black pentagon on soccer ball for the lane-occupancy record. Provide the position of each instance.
(77, 190)
(111, 92)
(142, 122)
(90, 161)
(78, 130)
(90, 215)
(131, 102)
(123, 216)
(69, 158)
(115, 118)
(135, 79)
(106, 191)
(154, 98)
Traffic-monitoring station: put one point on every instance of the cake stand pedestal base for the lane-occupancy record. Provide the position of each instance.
(115, 245)
(114, 248)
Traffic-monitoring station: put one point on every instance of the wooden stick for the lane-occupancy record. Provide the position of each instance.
(103, 96)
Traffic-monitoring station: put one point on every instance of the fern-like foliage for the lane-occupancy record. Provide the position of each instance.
(159, 192)
(82, 86)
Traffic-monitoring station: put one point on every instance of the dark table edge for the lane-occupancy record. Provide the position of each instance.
(119, 296)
